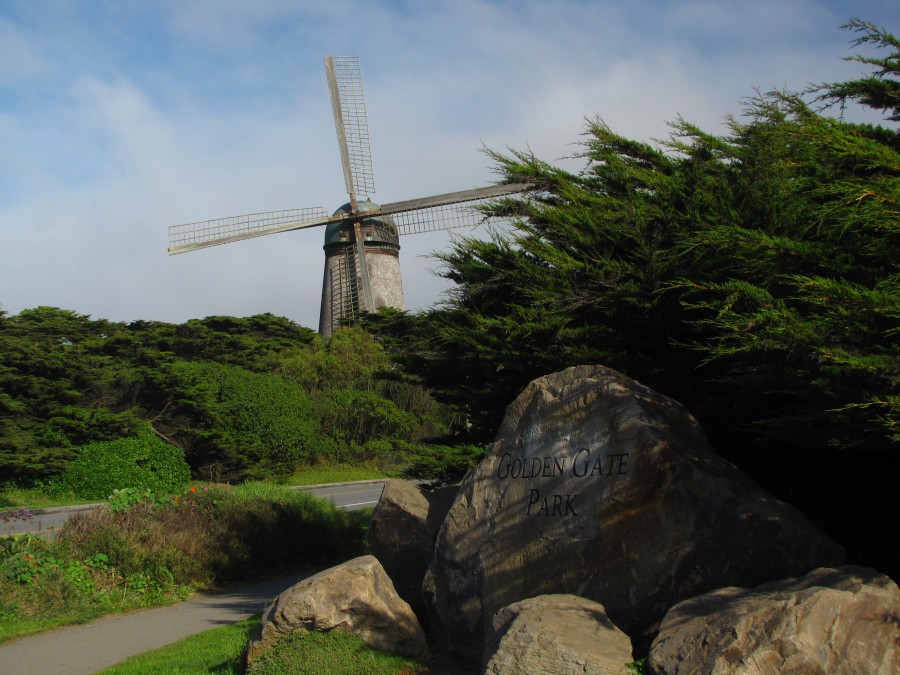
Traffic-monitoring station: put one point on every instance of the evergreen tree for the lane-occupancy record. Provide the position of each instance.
(881, 90)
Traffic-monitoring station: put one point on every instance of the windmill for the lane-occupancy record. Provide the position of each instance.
(362, 239)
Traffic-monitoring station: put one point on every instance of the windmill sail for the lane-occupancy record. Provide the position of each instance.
(193, 236)
(348, 104)
(447, 211)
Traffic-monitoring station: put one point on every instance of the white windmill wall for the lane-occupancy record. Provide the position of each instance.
(384, 280)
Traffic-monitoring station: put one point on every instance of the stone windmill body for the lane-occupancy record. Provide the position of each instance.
(362, 239)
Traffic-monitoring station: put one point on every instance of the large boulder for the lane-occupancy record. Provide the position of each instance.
(356, 596)
(601, 487)
(401, 535)
(841, 621)
(555, 634)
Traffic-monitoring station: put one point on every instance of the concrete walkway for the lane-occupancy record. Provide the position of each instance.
(88, 649)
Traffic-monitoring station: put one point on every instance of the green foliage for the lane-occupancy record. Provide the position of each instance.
(333, 653)
(877, 91)
(443, 463)
(127, 498)
(243, 418)
(350, 358)
(638, 666)
(143, 461)
(52, 388)
(355, 416)
(43, 584)
(243, 398)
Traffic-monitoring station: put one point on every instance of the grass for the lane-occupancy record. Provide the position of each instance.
(216, 651)
(15, 626)
(32, 498)
(338, 473)
(221, 651)
(331, 653)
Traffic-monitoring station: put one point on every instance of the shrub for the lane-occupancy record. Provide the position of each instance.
(142, 461)
(207, 535)
(266, 527)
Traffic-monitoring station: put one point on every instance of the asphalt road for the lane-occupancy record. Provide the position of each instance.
(350, 496)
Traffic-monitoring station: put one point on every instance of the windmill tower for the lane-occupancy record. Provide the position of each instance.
(362, 239)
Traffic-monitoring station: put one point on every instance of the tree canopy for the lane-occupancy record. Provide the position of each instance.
(238, 397)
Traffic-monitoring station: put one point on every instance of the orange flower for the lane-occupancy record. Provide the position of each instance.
(193, 489)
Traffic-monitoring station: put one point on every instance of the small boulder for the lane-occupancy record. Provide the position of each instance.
(402, 533)
(555, 634)
(601, 487)
(356, 596)
(840, 621)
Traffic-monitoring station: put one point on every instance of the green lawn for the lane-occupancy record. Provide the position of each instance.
(339, 473)
(221, 651)
(216, 651)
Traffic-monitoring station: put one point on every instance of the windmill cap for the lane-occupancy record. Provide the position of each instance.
(377, 230)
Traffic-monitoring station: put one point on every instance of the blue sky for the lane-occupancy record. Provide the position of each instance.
(119, 118)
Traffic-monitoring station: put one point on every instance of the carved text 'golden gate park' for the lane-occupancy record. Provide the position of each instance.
(585, 464)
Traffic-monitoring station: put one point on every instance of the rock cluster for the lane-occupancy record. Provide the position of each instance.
(600, 487)
(599, 520)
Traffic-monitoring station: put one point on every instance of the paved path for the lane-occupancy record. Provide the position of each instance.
(87, 649)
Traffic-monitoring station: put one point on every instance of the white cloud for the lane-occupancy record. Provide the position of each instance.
(119, 119)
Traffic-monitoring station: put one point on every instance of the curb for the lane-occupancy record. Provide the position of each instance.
(370, 481)
(43, 511)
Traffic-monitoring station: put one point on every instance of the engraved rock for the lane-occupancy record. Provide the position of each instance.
(555, 634)
(356, 596)
(842, 621)
(600, 487)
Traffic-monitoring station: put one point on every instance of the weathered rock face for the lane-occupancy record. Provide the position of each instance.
(356, 596)
(402, 533)
(840, 621)
(561, 634)
(600, 487)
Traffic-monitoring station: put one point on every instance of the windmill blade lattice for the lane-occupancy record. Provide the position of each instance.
(447, 211)
(348, 104)
(205, 233)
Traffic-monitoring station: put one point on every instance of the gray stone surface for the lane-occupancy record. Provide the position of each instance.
(402, 533)
(843, 621)
(356, 596)
(558, 634)
(600, 487)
